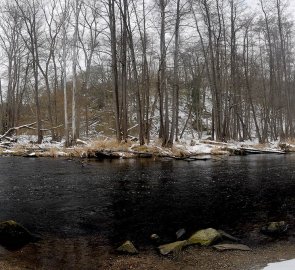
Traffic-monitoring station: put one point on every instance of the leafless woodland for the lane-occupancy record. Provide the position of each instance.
(220, 66)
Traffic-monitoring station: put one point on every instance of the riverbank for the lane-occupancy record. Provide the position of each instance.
(87, 253)
(110, 148)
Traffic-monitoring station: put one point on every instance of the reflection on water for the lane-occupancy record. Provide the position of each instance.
(131, 199)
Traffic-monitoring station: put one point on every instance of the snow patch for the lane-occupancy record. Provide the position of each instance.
(201, 149)
(61, 154)
(6, 151)
(285, 265)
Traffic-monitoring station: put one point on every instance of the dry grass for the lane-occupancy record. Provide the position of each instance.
(142, 148)
(289, 141)
(179, 152)
(19, 150)
(261, 146)
(216, 151)
(110, 144)
(53, 152)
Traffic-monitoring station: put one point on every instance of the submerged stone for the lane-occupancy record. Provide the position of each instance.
(222, 247)
(127, 248)
(30, 155)
(14, 235)
(204, 237)
(155, 237)
(174, 247)
(180, 233)
(275, 228)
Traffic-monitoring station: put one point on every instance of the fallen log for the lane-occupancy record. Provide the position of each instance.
(193, 158)
(261, 151)
(108, 154)
(251, 150)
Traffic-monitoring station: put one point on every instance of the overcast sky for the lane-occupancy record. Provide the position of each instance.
(291, 5)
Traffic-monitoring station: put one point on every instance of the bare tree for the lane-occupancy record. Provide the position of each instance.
(64, 70)
(75, 127)
(89, 40)
(30, 14)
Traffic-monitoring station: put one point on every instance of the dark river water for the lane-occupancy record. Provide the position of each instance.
(131, 199)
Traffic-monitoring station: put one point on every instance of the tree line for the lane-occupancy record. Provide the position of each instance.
(150, 68)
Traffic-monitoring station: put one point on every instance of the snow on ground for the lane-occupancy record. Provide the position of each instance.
(46, 143)
(193, 147)
(285, 265)
(184, 148)
(197, 147)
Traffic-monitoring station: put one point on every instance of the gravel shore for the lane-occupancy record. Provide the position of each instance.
(88, 254)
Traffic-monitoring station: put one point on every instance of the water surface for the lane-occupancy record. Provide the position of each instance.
(131, 199)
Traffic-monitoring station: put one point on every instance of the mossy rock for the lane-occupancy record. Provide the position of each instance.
(275, 228)
(204, 237)
(127, 248)
(14, 235)
(174, 247)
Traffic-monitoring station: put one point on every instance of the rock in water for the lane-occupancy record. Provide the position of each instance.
(174, 247)
(204, 237)
(127, 248)
(155, 239)
(180, 233)
(14, 235)
(223, 247)
(33, 154)
(275, 228)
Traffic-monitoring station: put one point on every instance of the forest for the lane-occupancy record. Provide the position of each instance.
(148, 68)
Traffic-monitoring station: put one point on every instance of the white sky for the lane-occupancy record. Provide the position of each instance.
(291, 5)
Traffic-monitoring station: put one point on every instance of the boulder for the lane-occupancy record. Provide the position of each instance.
(174, 247)
(222, 247)
(204, 237)
(127, 248)
(275, 228)
(14, 235)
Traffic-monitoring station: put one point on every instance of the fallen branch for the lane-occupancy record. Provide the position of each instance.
(9, 131)
(49, 129)
(27, 126)
(132, 127)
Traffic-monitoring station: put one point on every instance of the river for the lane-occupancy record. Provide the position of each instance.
(131, 199)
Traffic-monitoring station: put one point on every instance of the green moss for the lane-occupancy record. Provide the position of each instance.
(204, 237)
(128, 248)
(174, 247)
